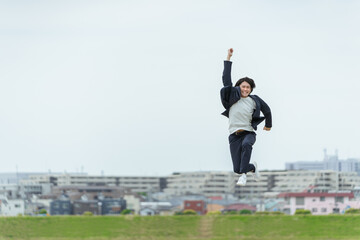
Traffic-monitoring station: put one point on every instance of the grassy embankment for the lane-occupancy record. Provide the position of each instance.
(181, 227)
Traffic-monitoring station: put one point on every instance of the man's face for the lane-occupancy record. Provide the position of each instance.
(245, 89)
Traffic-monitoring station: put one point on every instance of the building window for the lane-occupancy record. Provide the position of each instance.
(314, 210)
(323, 210)
(199, 204)
(339, 199)
(17, 206)
(322, 199)
(299, 200)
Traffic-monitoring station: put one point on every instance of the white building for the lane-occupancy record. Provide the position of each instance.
(11, 207)
(209, 183)
(132, 203)
(135, 183)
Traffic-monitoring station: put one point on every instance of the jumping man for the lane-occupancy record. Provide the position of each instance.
(243, 111)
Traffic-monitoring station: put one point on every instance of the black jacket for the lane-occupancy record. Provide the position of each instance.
(230, 95)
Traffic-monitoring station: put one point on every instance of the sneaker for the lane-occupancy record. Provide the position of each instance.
(242, 180)
(256, 174)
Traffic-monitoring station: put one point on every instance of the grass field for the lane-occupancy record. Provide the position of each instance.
(217, 227)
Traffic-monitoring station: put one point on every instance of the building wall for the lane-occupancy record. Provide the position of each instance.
(132, 203)
(11, 207)
(197, 206)
(201, 182)
(135, 183)
(318, 205)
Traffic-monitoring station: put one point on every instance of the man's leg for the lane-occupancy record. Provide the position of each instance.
(235, 150)
(246, 149)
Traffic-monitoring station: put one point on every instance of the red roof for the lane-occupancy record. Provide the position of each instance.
(216, 198)
(311, 194)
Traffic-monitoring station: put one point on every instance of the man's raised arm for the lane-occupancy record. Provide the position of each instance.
(227, 69)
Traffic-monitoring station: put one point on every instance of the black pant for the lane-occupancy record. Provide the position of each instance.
(240, 149)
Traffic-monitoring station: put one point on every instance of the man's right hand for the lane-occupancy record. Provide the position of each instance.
(230, 53)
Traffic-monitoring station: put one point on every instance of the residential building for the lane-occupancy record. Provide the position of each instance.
(85, 205)
(212, 207)
(319, 181)
(156, 208)
(257, 189)
(92, 192)
(197, 206)
(112, 206)
(207, 183)
(11, 207)
(238, 207)
(318, 203)
(135, 183)
(15, 178)
(61, 207)
(133, 202)
(330, 162)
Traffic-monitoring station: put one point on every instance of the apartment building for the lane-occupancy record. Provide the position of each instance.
(257, 189)
(330, 162)
(135, 183)
(319, 181)
(224, 183)
(209, 183)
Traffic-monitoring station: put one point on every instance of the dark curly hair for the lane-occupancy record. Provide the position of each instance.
(248, 80)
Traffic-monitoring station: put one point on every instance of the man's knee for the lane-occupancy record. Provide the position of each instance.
(247, 145)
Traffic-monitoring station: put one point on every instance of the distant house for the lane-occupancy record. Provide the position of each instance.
(158, 208)
(198, 206)
(147, 211)
(318, 203)
(11, 207)
(239, 207)
(132, 203)
(214, 207)
(60, 207)
(112, 206)
(81, 206)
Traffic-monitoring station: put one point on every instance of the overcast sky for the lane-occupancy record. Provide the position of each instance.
(132, 87)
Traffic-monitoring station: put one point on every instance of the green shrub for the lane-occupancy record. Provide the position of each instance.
(42, 211)
(126, 212)
(352, 211)
(213, 213)
(245, 211)
(189, 212)
(87, 213)
(179, 213)
(302, 212)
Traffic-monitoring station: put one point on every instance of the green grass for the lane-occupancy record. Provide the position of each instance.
(216, 227)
